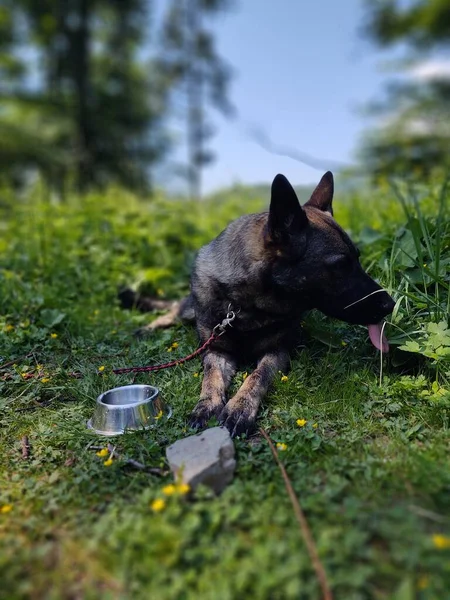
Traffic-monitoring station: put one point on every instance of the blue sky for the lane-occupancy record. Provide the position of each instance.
(303, 72)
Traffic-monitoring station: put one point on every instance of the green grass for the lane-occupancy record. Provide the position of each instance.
(373, 476)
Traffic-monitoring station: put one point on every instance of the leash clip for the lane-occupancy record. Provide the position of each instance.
(221, 327)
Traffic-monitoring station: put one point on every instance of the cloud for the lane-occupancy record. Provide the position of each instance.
(432, 69)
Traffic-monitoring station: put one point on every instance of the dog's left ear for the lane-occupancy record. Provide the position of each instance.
(322, 196)
(286, 216)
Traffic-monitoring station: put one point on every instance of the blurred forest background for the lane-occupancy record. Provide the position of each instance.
(90, 90)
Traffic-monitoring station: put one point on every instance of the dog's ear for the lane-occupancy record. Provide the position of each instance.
(286, 216)
(322, 196)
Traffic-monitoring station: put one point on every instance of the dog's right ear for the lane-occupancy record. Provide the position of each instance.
(286, 216)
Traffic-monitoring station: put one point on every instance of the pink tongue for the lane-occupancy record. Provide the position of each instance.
(378, 339)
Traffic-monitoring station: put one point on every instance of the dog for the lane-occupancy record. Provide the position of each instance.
(269, 269)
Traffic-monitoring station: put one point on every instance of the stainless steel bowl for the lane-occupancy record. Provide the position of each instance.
(128, 408)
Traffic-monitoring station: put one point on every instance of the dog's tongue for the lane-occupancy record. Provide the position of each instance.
(378, 338)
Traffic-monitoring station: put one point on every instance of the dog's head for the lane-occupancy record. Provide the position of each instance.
(314, 258)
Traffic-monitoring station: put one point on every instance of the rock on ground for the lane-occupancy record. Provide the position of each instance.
(206, 458)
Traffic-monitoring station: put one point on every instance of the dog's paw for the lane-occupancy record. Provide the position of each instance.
(237, 421)
(202, 413)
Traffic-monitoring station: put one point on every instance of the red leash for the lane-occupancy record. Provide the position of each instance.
(217, 332)
(173, 363)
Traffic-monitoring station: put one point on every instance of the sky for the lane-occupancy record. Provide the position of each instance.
(303, 72)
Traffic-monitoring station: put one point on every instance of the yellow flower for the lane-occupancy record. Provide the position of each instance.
(9, 328)
(441, 542)
(301, 422)
(281, 446)
(343, 343)
(53, 336)
(159, 415)
(169, 490)
(174, 345)
(6, 508)
(102, 452)
(158, 505)
(101, 369)
(315, 425)
(195, 374)
(244, 376)
(284, 378)
(183, 488)
(108, 462)
(423, 582)
(45, 379)
(169, 349)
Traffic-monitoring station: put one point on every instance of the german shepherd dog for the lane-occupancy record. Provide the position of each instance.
(269, 269)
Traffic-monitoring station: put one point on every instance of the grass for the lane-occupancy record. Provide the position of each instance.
(372, 477)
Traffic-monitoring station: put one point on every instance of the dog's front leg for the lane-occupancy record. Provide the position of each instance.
(218, 371)
(239, 414)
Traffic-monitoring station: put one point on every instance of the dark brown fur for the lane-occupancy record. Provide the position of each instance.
(271, 268)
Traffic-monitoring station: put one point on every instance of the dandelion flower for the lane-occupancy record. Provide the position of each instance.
(169, 490)
(183, 488)
(423, 582)
(158, 505)
(108, 462)
(281, 446)
(175, 345)
(45, 379)
(441, 542)
(102, 452)
(9, 328)
(53, 336)
(315, 425)
(195, 374)
(6, 508)
(284, 378)
(301, 422)
(244, 376)
(101, 369)
(159, 415)
(169, 349)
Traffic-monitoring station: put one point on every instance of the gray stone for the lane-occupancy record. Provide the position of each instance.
(206, 458)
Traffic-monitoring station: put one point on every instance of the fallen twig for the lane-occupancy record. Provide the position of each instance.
(10, 363)
(131, 462)
(304, 527)
(25, 444)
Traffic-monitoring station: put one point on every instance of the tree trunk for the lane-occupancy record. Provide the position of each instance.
(81, 39)
(194, 101)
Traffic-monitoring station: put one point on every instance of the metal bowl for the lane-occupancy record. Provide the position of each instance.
(128, 408)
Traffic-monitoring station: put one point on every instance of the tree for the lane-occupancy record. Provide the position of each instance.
(414, 137)
(198, 75)
(95, 111)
